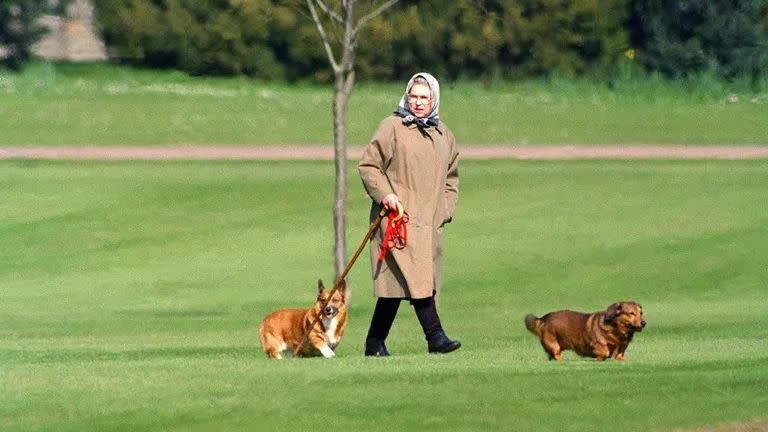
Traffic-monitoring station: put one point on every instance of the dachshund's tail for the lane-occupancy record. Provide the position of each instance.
(533, 324)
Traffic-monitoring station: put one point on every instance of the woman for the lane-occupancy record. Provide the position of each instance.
(411, 161)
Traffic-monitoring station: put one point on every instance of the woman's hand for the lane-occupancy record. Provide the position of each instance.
(390, 202)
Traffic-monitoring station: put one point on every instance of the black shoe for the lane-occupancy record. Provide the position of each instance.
(440, 344)
(375, 348)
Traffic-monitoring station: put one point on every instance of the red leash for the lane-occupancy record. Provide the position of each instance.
(396, 235)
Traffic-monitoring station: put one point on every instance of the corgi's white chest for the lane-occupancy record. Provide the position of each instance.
(330, 330)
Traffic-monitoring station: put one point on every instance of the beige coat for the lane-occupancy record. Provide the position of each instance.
(421, 168)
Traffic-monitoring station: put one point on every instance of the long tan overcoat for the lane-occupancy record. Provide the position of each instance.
(421, 168)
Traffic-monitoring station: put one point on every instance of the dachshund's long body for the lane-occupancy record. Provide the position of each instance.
(601, 334)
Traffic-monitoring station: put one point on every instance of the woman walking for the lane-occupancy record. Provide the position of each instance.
(412, 162)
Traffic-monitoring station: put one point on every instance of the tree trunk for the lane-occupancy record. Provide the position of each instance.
(343, 81)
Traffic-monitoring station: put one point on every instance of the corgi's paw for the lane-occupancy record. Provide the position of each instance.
(327, 352)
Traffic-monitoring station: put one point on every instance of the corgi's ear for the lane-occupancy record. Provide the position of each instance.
(343, 286)
(320, 286)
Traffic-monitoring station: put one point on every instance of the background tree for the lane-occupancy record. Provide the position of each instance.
(20, 27)
(496, 39)
(201, 37)
(728, 38)
(453, 39)
(339, 27)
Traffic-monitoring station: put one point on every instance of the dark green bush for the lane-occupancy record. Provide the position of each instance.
(728, 38)
(496, 39)
(20, 28)
(455, 39)
(200, 36)
(452, 38)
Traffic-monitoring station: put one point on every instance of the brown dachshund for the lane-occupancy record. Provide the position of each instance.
(598, 334)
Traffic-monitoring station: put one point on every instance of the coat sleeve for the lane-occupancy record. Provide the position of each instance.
(451, 191)
(376, 158)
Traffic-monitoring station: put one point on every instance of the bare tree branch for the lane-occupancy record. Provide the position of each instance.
(364, 20)
(334, 16)
(323, 35)
(341, 24)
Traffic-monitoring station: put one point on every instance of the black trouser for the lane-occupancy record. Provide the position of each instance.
(383, 316)
(386, 310)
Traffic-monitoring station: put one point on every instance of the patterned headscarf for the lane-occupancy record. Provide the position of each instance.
(404, 110)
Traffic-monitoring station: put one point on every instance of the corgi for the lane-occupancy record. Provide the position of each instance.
(283, 330)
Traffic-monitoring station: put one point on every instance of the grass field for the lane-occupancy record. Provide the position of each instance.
(110, 105)
(130, 295)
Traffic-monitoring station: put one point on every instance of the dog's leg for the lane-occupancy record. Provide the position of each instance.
(326, 351)
(273, 353)
(272, 345)
(549, 342)
(318, 342)
(602, 352)
(620, 351)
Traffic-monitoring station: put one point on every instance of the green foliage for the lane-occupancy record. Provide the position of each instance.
(724, 37)
(20, 28)
(453, 38)
(201, 37)
(496, 39)
(568, 38)
(131, 294)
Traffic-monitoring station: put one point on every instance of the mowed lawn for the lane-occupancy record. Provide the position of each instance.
(108, 105)
(131, 293)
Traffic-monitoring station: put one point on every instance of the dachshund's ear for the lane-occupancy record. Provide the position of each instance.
(612, 312)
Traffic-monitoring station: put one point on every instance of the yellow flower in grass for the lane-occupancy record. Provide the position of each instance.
(630, 54)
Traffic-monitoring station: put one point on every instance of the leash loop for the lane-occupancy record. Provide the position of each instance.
(396, 235)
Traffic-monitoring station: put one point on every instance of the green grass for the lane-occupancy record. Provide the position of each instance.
(109, 105)
(130, 295)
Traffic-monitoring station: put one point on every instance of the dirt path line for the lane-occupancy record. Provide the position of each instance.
(325, 152)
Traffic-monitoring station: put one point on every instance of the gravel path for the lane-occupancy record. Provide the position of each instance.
(325, 152)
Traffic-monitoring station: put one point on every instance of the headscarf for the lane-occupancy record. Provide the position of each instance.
(404, 110)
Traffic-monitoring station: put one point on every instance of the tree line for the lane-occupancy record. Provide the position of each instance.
(455, 39)
(20, 28)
